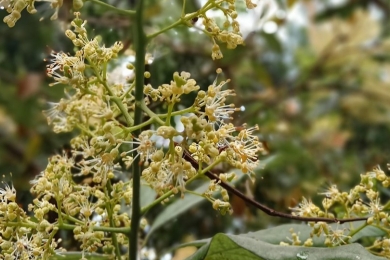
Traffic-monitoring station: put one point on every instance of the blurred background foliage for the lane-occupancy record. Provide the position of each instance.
(314, 75)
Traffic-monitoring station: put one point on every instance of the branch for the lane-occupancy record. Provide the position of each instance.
(265, 209)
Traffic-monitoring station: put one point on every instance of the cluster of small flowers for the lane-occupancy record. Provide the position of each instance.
(381, 247)
(70, 70)
(333, 237)
(106, 143)
(87, 206)
(222, 205)
(238, 145)
(88, 102)
(15, 8)
(170, 93)
(20, 237)
(362, 201)
(210, 139)
(230, 34)
(79, 109)
(295, 240)
(353, 201)
(98, 200)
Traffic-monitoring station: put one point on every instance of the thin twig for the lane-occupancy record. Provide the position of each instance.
(265, 209)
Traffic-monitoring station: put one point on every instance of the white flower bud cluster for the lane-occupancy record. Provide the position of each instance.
(15, 8)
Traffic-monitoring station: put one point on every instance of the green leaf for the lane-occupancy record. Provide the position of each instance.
(182, 205)
(238, 247)
(273, 235)
(223, 247)
(282, 234)
(148, 195)
(368, 231)
(200, 254)
(178, 207)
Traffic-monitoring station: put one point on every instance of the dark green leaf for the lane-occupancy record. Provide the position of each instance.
(240, 247)
(178, 207)
(182, 205)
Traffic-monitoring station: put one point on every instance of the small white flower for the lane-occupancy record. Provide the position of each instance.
(243, 150)
(305, 209)
(146, 147)
(8, 193)
(337, 236)
(214, 102)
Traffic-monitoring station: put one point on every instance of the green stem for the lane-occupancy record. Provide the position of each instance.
(142, 125)
(199, 195)
(114, 98)
(354, 231)
(60, 220)
(387, 206)
(157, 201)
(97, 228)
(156, 118)
(128, 91)
(85, 130)
(111, 219)
(163, 197)
(185, 18)
(104, 72)
(172, 150)
(150, 113)
(130, 13)
(123, 109)
(70, 218)
(177, 23)
(139, 40)
(52, 234)
(168, 119)
(177, 113)
(28, 224)
(209, 167)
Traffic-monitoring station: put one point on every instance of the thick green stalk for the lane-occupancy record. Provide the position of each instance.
(139, 46)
